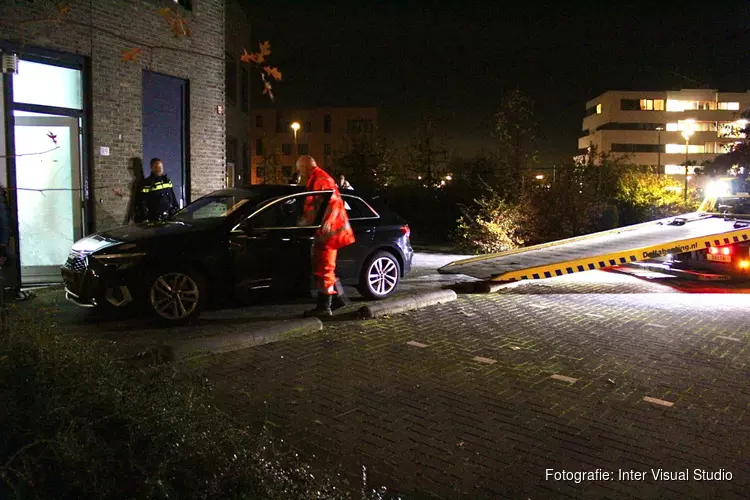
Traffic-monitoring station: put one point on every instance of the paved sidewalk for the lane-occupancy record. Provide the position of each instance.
(477, 398)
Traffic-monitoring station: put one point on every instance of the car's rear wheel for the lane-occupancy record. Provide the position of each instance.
(380, 276)
(177, 295)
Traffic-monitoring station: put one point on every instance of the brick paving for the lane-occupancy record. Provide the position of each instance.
(459, 400)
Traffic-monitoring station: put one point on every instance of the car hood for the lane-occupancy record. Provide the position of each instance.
(139, 232)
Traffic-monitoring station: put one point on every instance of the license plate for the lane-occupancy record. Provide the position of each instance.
(720, 258)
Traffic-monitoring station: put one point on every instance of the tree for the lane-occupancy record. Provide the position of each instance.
(515, 132)
(426, 160)
(366, 161)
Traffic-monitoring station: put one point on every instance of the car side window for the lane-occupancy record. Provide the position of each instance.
(288, 213)
(358, 209)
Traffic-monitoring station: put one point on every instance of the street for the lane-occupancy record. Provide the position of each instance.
(491, 396)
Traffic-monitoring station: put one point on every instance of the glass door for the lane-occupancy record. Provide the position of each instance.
(48, 184)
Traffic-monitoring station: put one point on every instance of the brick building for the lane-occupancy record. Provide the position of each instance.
(109, 115)
(321, 132)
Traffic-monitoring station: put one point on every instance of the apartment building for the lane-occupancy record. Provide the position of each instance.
(648, 126)
(320, 132)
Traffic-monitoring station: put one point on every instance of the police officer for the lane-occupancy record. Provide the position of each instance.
(155, 199)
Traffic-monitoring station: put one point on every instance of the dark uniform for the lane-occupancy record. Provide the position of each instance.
(155, 199)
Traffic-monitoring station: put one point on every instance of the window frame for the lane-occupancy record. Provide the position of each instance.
(376, 215)
(277, 201)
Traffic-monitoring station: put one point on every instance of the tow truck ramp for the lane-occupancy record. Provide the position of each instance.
(673, 235)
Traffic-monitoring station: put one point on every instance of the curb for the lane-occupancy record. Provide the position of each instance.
(233, 342)
(395, 306)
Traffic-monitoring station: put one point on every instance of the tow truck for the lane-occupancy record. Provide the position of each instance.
(713, 242)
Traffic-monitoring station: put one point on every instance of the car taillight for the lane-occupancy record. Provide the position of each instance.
(726, 250)
(405, 230)
(713, 250)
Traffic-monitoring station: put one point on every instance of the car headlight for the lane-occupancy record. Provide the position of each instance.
(119, 259)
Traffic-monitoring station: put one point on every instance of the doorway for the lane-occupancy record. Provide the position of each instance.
(165, 120)
(48, 192)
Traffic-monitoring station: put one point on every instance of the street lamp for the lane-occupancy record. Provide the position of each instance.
(295, 126)
(686, 134)
(658, 149)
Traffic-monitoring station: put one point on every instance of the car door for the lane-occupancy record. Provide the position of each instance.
(362, 219)
(272, 248)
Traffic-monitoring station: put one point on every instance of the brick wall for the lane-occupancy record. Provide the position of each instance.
(238, 121)
(101, 30)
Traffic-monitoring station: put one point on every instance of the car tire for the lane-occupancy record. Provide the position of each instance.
(380, 276)
(176, 295)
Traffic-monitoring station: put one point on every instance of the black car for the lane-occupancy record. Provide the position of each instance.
(230, 243)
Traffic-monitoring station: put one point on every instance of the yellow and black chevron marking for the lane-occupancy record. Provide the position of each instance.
(624, 257)
(689, 217)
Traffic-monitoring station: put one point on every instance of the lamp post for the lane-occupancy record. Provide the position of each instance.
(295, 127)
(658, 149)
(686, 134)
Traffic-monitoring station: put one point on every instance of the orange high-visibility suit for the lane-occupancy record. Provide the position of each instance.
(334, 232)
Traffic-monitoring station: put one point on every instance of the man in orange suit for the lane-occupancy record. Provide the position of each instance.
(334, 232)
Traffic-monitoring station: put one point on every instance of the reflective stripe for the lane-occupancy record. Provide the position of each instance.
(157, 187)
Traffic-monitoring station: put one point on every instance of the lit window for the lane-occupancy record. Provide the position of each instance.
(598, 109)
(732, 106)
(647, 104)
(674, 105)
(658, 104)
(680, 149)
(672, 127)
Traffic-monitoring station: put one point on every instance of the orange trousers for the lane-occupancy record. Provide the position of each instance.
(324, 268)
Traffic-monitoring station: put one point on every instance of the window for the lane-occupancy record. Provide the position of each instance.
(327, 150)
(733, 106)
(630, 105)
(30, 85)
(680, 148)
(678, 169)
(672, 127)
(636, 148)
(212, 207)
(259, 121)
(231, 149)
(302, 149)
(359, 126)
(629, 126)
(652, 104)
(598, 109)
(327, 124)
(245, 160)
(185, 4)
(658, 104)
(286, 149)
(244, 90)
(259, 147)
(591, 111)
(286, 213)
(358, 209)
(230, 79)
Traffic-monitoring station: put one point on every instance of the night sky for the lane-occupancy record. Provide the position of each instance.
(420, 61)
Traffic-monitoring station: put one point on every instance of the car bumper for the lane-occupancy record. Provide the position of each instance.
(408, 256)
(89, 289)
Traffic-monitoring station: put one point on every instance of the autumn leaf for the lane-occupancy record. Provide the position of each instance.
(248, 58)
(273, 72)
(53, 137)
(265, 48)
(177, 23)
(267, 88)
(130, 55)
(166, 12)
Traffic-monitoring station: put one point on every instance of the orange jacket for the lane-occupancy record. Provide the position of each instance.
(335, 231)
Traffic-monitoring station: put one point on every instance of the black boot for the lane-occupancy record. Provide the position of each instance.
(323, 309)
(339, 300)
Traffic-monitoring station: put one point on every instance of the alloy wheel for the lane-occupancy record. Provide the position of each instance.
(174, 296)
(383, 275)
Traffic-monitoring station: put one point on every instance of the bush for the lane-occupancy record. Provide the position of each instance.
(491, 225)
(646, 196)
(80, 424)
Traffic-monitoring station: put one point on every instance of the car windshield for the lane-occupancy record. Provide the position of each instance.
(214, 207)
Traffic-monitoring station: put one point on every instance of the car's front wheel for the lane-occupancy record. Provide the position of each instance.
(177, 295)
(380, 276)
